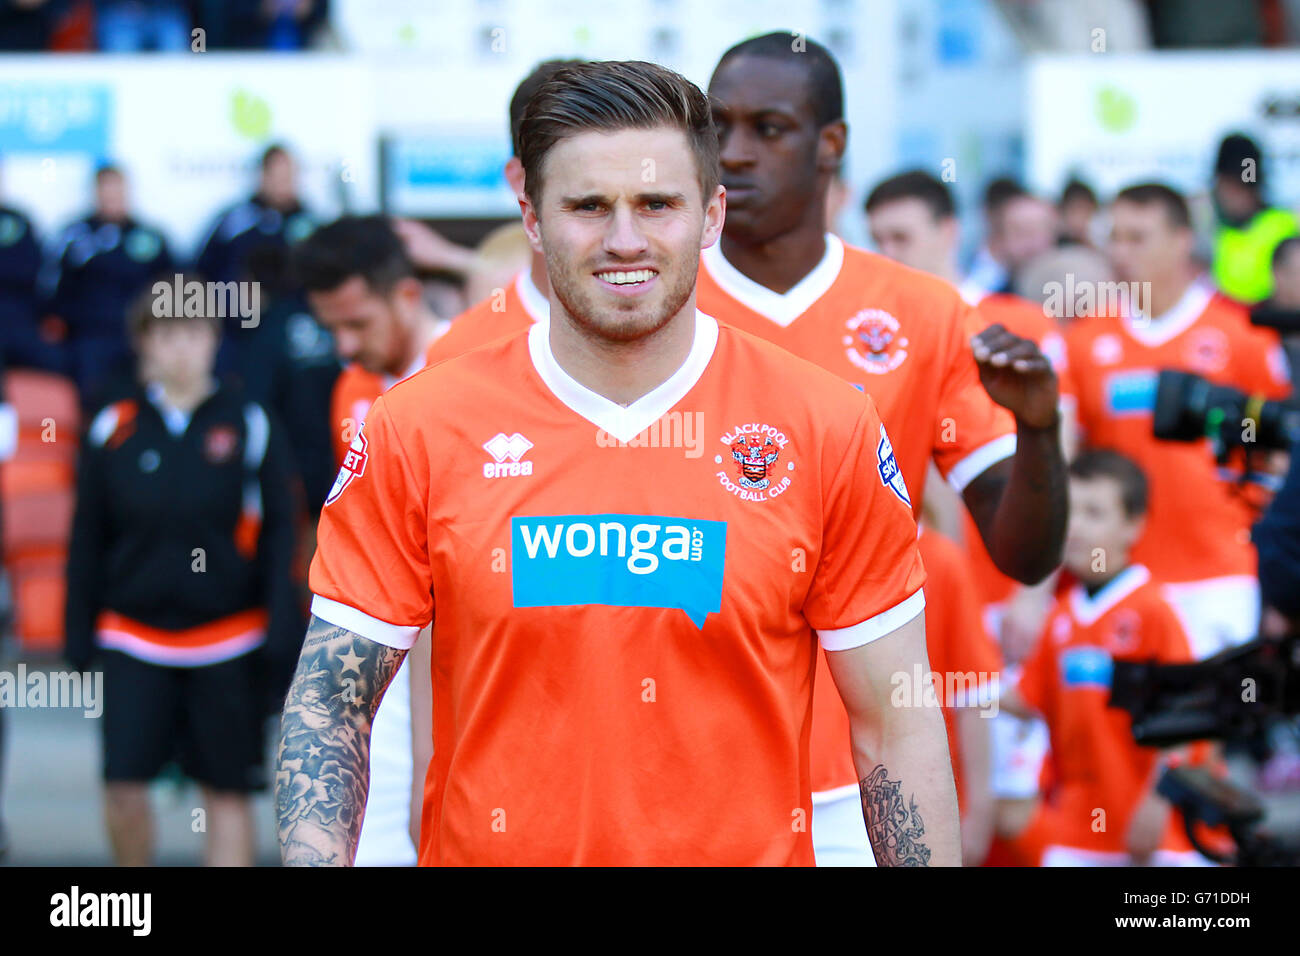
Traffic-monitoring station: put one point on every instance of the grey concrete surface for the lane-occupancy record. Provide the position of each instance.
(51, 798)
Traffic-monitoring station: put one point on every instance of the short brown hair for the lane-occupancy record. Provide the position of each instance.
(1145, 194)
(611, 96)
(1095, 463)
(913, 184)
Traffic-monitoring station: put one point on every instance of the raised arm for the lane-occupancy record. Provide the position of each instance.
(909, 800)
(322, 773)
(1020, 506)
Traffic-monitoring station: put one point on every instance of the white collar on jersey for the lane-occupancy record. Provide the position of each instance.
(971, 293)
(1160, 329)
(1088, 610)
(781, 309)
(617, 421)
(174, 418)
(535, 304)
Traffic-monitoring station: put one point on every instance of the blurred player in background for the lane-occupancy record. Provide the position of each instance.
(21, 340)
(1024, 226)
(1077, 211)
(178, 582)
(902, 336)
(1197, 537)
(595, 705)
(1106, 811)
(987, 273)
(95, 269)
(273, 216)
(362, 287)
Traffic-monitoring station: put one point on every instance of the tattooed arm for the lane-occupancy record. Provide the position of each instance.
(900, 749)
(322, 773)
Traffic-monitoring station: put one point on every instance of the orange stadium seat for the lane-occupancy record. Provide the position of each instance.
(38, 489)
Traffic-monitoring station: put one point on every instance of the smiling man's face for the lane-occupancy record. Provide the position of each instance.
(621, 222)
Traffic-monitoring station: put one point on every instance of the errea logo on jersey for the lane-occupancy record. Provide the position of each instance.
(506, 450)
(619, 560)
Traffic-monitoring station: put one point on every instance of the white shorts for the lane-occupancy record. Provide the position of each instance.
(1020, 746)
(839, 832)
(1217, 613)
(1057, 855)
(385, 832)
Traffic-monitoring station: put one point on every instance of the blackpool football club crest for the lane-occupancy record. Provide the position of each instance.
(1207, 350)
(873, 342)
(354, 466)
(1125, 632)
(219, 444)
(757, 453)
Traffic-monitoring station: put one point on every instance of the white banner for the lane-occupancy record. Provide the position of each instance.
(1118, 120)
(187, 128)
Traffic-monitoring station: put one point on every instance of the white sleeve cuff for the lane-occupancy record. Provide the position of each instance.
(886, 622)
(362, 624)
(975, 464)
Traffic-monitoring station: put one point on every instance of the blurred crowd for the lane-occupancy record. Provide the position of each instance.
(164, 26)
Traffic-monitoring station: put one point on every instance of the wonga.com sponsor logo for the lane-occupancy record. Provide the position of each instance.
(619, 560)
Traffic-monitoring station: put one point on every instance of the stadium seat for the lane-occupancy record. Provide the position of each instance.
(38, 485)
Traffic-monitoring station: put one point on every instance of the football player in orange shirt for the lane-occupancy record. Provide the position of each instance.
(1197, 539)
(596, 707)
(906, 338)
(913, 220)
(362, 287)
(1105, 811)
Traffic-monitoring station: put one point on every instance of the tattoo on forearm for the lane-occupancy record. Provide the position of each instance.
(322, 771)
(895, 829)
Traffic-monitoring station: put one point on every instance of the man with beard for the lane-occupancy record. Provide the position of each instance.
(906, 338)
(599, 696)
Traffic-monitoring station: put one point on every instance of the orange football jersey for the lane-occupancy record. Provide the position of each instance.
(1067, 680)
(901, 335)
(1197, 526)
(624, 600)
(517, 307)
(355, 390)
(1029, 321)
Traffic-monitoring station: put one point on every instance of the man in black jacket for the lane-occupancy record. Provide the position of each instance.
(95, 268)
(273, 217)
